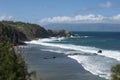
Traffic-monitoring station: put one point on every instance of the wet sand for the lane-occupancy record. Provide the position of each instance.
(55, 66)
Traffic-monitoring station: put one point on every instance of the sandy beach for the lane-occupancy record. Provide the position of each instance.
(55, 66)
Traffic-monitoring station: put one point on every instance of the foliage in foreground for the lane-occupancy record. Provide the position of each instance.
(115, 72)
(12, 65)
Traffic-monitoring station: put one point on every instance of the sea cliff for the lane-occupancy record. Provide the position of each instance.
(18, 32)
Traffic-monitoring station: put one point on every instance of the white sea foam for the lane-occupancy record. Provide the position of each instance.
(94, 65)
(62, 51)
(79, 36)
(45, 40)
(51, 39)
(84, 49)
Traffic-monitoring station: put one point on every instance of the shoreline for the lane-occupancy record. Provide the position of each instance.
(55, 66)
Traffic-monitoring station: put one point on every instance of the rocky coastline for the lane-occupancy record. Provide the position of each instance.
(18, 32)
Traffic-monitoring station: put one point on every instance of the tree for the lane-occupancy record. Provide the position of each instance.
(12, 65)
(115, 72)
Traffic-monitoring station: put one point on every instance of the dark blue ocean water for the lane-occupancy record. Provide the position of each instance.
(103, 40)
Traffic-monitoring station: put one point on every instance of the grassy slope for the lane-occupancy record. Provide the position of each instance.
(30, 30)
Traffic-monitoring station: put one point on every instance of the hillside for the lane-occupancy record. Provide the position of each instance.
(30, 30)
(17, 32)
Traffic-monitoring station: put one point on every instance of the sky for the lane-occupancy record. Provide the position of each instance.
(61, 11)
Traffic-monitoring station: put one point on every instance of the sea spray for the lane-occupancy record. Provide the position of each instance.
(96, 63)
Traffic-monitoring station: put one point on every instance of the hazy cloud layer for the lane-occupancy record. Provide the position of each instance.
(106, 5)
(4, 17)
(91, 18)
(100, 6)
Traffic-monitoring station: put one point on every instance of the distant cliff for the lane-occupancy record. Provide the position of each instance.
(59, 33)
(17, 32)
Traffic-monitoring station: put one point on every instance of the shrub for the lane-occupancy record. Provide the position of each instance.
(12, 65)
(115, 72)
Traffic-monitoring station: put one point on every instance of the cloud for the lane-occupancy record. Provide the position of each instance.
(117, 17)
(91, 18)
(106, 5)
(77, 18)
(4, 17)
(96, 8)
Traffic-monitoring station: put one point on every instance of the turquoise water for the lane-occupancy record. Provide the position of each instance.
(83, 47)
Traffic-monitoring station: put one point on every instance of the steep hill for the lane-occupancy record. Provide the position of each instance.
(30, 30)
(17, 32)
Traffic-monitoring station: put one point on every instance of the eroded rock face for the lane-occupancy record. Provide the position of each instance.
(59, 33)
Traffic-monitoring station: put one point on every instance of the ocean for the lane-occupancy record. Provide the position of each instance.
(83, 47)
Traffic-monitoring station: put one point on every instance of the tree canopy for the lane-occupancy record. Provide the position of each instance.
(115, 72)
(12, 65)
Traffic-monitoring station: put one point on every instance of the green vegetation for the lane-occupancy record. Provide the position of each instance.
(31, 31)
(9, 33)
(115, 72)
(18, 32)
(12, 65)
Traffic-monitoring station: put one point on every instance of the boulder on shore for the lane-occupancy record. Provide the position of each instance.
(100, 51)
